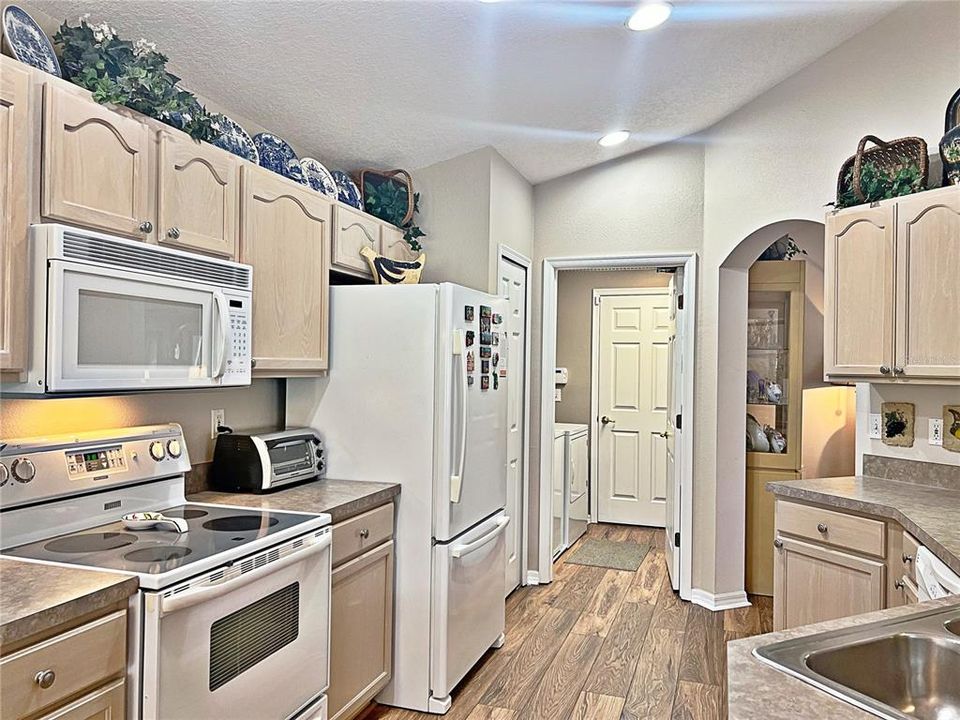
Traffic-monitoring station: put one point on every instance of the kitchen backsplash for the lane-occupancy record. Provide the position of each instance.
(913, 471)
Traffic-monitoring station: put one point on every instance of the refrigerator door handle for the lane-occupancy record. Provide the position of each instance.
(456, 479)
(458, 551)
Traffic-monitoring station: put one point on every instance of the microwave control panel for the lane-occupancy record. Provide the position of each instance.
(238, 355)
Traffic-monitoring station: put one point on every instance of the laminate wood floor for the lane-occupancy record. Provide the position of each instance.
(599, 644)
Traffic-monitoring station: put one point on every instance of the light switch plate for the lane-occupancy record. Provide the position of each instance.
(873, 426)
(935, 433)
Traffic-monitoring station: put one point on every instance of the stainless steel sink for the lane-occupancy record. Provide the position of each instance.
(904, 668)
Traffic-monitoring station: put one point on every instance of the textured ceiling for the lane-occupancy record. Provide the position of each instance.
(406, 84)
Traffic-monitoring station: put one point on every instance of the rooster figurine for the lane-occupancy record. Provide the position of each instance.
(393, 272)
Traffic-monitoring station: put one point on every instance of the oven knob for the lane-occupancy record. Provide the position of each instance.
(4, 475)
(23, 470)
(173, 448)
(156, 450)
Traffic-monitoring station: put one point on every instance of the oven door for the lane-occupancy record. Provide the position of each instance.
(108, 329)
(253, 644)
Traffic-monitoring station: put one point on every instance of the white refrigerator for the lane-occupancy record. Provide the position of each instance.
(416, 394)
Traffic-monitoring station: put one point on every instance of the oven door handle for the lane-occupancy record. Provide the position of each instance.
(189, 598)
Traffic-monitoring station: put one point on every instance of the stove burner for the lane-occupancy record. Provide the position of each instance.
(185, 513)
(90, 542)
(238, 523)
(157, 553)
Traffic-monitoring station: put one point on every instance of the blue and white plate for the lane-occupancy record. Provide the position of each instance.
(318, 177)
(27, 42)
(236, 140)
(276, 155)
(347, 190)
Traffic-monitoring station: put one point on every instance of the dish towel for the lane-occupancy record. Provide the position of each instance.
(934, 579)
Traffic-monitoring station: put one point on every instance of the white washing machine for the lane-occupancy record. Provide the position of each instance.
(571, 481)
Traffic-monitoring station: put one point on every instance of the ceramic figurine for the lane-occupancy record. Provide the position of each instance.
(773, 391)
(756, 439)
(950, 143)
(393, 272)
(778, 443)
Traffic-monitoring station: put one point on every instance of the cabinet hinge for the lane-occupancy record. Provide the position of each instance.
(679, 422)
(680, 301)
(676, 539)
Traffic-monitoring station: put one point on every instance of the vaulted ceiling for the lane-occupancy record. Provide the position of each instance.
(407, 83)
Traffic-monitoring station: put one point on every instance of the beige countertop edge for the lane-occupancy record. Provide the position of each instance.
(756, 691)
(37, 597)
(806, 490)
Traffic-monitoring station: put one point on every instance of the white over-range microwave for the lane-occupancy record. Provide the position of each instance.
(116, 315)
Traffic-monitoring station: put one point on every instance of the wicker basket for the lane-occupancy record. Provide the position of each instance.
(888, 157)
(401, 176)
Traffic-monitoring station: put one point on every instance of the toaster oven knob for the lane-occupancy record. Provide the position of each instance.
(156, 450)
(173, 448)
(4, 475)
(23, 470)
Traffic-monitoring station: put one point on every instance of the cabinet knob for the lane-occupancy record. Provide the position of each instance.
(821, 527)
(899, 585)
(45, 678)
(884, 369)
(253, 362)
(146, 227)
(364, 533)
(778, 543)
(897, 370)
(173, 233)
(907, 558)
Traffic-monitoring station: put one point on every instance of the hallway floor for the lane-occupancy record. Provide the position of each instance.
(604, 644)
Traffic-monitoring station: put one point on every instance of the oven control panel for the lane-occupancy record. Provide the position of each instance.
(97, 460)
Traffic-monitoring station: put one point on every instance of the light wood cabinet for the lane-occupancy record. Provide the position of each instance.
(198, 196)
(814, 583)
(108, 703)
(760, 528)
(891, 277)
(352, 231)
(358, 534)
(95, 165)
(285, 236)
(15, 148)
(392, 243)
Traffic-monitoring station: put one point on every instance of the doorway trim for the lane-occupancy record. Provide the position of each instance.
(507, 253)
(595, 382)
(548, 357)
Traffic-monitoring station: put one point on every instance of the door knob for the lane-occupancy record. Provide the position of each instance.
(607, 421)
(146, 227)
(173, 233)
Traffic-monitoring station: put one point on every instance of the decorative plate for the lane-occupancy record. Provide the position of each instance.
(236, 140)
(347, 190)
(27, 41)
(318, 177)
(276, 155)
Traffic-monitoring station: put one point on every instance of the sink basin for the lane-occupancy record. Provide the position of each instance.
(918, 675)
(905, 668)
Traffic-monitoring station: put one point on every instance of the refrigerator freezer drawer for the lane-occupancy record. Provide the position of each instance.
(468, 603)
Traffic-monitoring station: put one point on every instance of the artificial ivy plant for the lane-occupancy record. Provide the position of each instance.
(387, 200)
(878, 185)
(131, 74)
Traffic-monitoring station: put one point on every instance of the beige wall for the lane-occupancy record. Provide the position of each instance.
(257, 406)
(574, 331)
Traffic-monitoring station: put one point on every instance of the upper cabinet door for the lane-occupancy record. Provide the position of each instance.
(285, 236)
(858, 291)
(15, 138)
(95, 165)
(928, 285)
(198, 194)
(352, 231)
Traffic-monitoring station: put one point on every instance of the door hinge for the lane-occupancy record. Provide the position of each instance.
(596, 299)
(680, 301)
(676, 539)
(679, 423)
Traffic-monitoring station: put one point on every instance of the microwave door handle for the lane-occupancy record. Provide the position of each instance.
(459, 551)
(456, 480)
(189, 598)
(224, 336)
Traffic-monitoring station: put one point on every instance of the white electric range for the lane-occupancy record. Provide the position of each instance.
(237, 604)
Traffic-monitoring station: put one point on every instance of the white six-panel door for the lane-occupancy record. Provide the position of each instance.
(633, 382)
(674, 434)
(513, 286)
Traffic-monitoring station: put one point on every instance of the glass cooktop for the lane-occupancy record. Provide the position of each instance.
(212, 530)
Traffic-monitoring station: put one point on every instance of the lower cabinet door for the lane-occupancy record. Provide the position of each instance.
(361, 631)
(813, 584)
(107, 703)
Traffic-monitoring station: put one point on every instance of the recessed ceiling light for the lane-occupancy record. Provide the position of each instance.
(614, 138)
(650, 14)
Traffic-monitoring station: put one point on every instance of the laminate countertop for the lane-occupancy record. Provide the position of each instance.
(342, 499)
(36, 597)
(760, 692)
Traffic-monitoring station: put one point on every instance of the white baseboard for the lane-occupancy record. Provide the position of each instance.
(719, 601)
(533, 577)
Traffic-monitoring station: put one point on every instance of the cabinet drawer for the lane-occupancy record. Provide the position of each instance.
(106, 703)
(847, 531)
(360, 533)
(81, 658)
(909, 556)
(352, 231)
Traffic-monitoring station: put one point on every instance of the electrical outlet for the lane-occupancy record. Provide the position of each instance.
(935, 434)
(557, 395)
(873, 427)
(217, 418)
